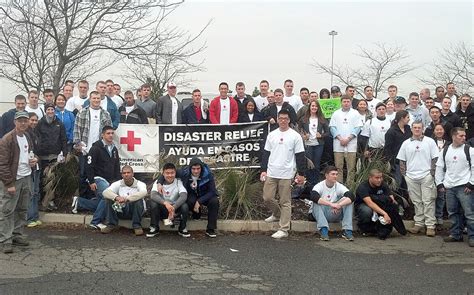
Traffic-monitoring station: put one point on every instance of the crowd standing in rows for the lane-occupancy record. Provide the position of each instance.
(425, 140)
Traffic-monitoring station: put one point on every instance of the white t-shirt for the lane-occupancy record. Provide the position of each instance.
(104, 103)
(418, 155)
(250, 116)
(171, 191)
(454, 103)
(345, 122)
(75, 103)
(458, 171)
(38, 111)
(94, 128)
(174, 110)
(390, 117)
(24, 168)
(282, 147)
(375, 130)
(260, 102)
(117, 100)
(371, 104)
(313, 129)
(225, 111)
(330, 194)
(294, 101)
(128, 109)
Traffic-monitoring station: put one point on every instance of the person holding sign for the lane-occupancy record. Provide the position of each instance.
(345, 125)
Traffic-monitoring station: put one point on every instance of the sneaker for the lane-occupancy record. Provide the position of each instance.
(7, 248)
(471, 242)
(211, 233)
(152, 232)
(97, 226)
(280, 234)
(52, 206)
(450, 239)
(20, 241)
(347, 234)
(31, 224)
(184, 233)
(271, 219)
(75, 200)
(430, 232)
(415, 230)
(39, 222)
(324, 234)
(138, 231)
(108, 229)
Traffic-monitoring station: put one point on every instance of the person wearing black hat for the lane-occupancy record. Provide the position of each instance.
(335, 92)
(399, 103)
(16, 160)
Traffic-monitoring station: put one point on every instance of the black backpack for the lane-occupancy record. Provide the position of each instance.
(466, 151)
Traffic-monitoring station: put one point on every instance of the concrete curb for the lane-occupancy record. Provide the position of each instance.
(193, 225)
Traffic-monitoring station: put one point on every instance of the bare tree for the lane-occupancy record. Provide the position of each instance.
(455, 63)
(171, 59)
(43, 43)
(379, 66)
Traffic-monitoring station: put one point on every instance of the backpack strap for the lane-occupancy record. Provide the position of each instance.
(468, 155)
(445, 150)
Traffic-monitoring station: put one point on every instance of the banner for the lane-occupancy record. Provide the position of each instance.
(329, 106)
(220, 146)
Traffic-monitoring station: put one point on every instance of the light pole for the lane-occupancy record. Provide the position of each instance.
(332, 34)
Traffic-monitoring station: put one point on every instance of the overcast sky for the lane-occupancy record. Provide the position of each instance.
(254, 40)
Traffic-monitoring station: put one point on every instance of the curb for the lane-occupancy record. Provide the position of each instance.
(194, 225)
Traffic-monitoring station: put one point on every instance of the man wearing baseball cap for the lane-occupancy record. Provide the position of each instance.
(335, 92)
(16, 160)
(168, 107)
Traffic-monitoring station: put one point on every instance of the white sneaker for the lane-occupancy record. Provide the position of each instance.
(74, 204)
(101, 226)
(271, 219)
(280, 234)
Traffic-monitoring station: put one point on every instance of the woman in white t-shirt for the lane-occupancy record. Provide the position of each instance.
(314, 128)
(365, 115)
(441, 142)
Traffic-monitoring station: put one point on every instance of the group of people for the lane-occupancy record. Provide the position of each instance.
(424, 140)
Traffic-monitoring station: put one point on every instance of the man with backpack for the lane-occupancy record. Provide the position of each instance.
(455, 175)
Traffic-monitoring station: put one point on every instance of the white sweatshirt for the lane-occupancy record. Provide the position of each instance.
(458, 171)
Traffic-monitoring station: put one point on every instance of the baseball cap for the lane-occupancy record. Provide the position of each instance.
(335, 89)
(21, 114)
(380, 104)
(171, 84)
(400, 100)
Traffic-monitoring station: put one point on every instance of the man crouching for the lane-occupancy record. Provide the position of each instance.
(125, 201)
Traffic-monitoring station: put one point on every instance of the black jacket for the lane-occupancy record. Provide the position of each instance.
(447, 130)
(8, 122)
(244, 117)
(136, 116)
(467, 120)
(393, 141)
(189, 116)
(242, 105)
(323, 129)
(270, 111)
(100, 163)
(452, 118)
(52, 137)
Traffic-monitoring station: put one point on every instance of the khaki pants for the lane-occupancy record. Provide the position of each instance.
(351, 159)
(282, 209)
(422, 193)
(13, 209)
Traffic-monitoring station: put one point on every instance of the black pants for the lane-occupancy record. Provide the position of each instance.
(159, 212)
(212, 211)
(366, 225)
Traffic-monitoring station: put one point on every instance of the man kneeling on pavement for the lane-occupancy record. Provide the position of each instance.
(332, 203)
(169, 203)
(124, 200)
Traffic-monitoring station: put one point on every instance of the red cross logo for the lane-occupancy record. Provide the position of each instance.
(383, 128)
(281, 139)
(455, 157)
(417, 147)
(130, 141)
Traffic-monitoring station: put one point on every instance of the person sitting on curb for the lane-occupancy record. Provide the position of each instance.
(376, 209)
(102, 168)
(199, 182)
(170, 204)
(124, 200)
(332, 202)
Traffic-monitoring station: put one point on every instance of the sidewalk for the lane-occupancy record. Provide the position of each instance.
(222, 225)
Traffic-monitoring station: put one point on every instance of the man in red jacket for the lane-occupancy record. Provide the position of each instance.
(223, 110)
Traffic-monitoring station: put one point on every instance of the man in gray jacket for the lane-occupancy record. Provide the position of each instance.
(168, 107)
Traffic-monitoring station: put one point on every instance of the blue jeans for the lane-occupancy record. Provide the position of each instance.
(314, 153)
(440, 203)
(133, 211)
(91, 204)
(33, 214)
(324, 215)
(456, 199)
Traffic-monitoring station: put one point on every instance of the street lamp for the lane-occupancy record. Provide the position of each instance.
(332, 34)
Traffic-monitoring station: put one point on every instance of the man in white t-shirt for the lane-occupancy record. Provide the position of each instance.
(344, 126)
(16, 160)
(455, 176)
(68, 91)
(451, 93)
(33, 106)
(375, 130)
(418, 157)
(223, 109)
(293, 99)
(75, 103)
(261, 100)
(372, 102)
(111, 93)
(284, 151)
(332, 202)
(125, 200)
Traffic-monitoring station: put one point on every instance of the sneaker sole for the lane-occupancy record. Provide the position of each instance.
(211, 236)
(151, 235)
(348, 239)
(184, 235)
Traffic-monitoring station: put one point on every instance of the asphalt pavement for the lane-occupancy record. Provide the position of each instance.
(75, 260)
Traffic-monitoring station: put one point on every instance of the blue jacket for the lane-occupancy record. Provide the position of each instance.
(67, 118)
(112, 109)
(189, 116)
